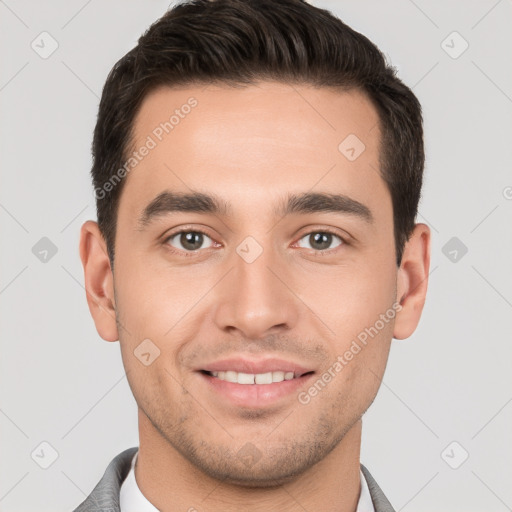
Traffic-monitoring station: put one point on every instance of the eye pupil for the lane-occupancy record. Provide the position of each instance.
(321, 240)
(190, 239)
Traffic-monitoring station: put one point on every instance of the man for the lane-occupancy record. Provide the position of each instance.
(257, 168)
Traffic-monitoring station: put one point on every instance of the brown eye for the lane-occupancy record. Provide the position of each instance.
(321, 240)
(188, 240)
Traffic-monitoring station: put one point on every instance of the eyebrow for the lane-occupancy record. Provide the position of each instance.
(198, 202)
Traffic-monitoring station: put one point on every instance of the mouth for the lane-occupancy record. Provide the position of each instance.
(246, 384)
(255, 378)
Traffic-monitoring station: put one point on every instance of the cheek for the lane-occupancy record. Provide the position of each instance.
(350, 382)
(351, 298)
(357, 306)
(151, 301)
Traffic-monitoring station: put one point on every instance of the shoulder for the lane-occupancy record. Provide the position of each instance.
(105, 496)
(380, 502)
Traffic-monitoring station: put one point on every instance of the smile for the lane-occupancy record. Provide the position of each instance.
(253, 378)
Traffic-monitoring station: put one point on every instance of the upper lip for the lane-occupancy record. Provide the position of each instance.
(241, 365)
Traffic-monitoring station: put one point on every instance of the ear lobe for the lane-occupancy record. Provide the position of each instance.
(99, 280)
(412, 281)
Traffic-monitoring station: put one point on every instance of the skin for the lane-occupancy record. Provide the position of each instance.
(250, 146)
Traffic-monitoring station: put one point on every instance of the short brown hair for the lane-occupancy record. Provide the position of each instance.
(245, 41)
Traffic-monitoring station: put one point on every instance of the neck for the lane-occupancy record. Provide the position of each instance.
(172, 483)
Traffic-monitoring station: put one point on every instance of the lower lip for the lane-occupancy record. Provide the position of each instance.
(255, 395)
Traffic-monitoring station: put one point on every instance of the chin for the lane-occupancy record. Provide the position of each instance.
(252, 478)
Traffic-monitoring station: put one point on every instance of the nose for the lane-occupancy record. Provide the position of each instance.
(257, 297)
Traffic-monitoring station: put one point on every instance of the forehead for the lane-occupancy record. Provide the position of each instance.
(263, 137)
(263, 110)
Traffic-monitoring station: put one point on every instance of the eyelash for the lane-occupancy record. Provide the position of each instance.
(189, 254)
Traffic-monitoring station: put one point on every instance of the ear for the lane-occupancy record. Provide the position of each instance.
(99, 280)
(412, 281)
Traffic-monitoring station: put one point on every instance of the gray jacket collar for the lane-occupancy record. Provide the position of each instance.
(105, 496)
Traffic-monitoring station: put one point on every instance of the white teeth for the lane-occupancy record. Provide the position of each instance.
(245, 378)
(251, 378)
(263, 378)
(231, 376)
(278, 376)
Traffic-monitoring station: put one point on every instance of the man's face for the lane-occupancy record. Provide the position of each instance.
(254, 290)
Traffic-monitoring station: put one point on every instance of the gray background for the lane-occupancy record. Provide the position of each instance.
(63, 385)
